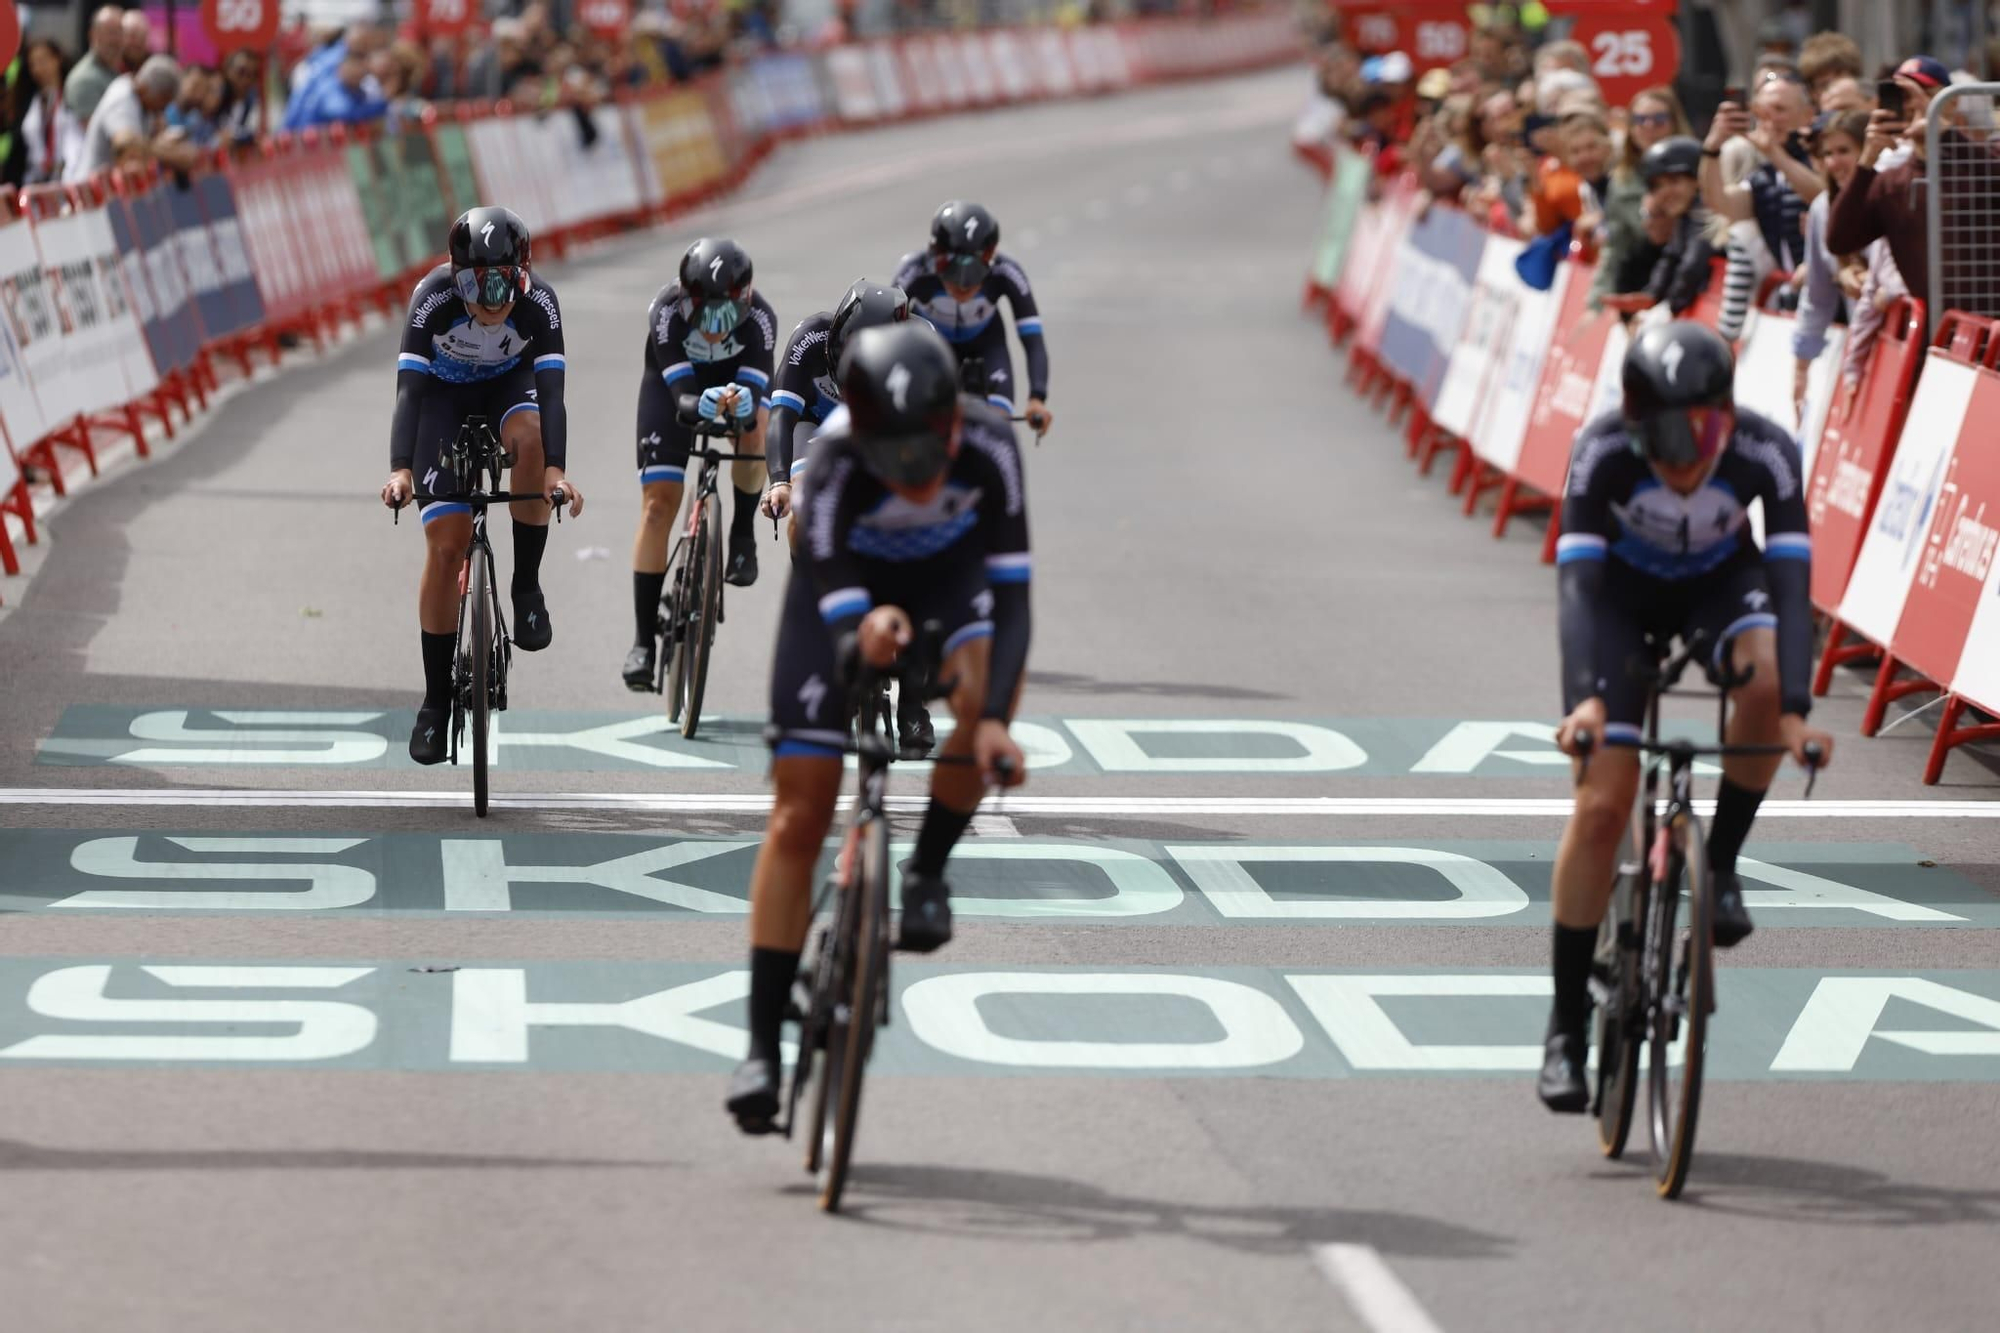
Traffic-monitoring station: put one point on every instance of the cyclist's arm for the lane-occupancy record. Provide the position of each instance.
(410, 385)
(911, 267)
(789, 396)
(551, 366)
(1008, 567)
(1788, 571)
(836, 574)
(1582, 553)
(1028, 324)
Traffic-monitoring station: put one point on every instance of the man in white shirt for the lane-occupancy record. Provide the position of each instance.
(120, 125)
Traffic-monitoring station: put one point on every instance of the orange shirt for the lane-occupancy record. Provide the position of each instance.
(1558, 197)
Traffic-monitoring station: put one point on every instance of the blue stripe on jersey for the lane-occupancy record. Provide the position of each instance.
(649, 475)
(1579, 546)
(1788, 546)
(680, 370)
(552, 361)
(411, 361)
(753, 377)
(1026, 327)
(786, 398)
(1674, 568)
(844, 602)
(1014, 568)
(906, 544)
(1003, 403)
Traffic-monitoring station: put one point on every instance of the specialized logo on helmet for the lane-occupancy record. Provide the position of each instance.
(486, 233)
(1671, 358)
(899, 386)
(971, 226)
(715, 269)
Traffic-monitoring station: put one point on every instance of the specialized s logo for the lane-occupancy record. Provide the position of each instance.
(899, 386)
(812, 694)
(486, 233)
(715, 269)
(1671, 359)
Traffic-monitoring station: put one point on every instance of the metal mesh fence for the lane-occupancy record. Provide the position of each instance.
(1960, 182)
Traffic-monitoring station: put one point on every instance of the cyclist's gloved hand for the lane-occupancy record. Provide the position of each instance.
(715, 401)
(746, 403)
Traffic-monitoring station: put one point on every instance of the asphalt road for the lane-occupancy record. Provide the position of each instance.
(1194, 1031)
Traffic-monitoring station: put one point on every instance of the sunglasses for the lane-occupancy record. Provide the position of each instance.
(1653, 120)
(963, 270)
(722, 315)
(490, 287)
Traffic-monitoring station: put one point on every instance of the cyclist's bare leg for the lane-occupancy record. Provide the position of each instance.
(807, 790)
(659, 502)
(1588, 855)
(521, 437)
(445, 540)
(747, 479)
(1754, 709)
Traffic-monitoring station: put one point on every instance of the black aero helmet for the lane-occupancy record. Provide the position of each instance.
(900, 384)
(1678, 156)
(490, 256)
(715, 278)
(1669, 369)
(866, 305)
(963, 236)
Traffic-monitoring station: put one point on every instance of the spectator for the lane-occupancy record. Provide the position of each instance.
(102, 63)
(350, 96)
(1783, 183)
(195, 111)
(1882, 286)
(121, 128)
(1673, 219)
(1471, 132)
(497, 69)
(1572, 183)
(1555, 56)
(243, 102)
(1826, 58)
(135, 40)
(400, 71)
(1628, 256)
(1846, 94)
(1887, 202)
(54, 137)
(1837, 145)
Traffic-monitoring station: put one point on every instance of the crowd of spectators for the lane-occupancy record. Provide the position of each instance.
(1800, 184)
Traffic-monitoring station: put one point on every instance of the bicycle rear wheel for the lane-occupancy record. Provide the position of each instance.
(673, 623)
(705, 601)
(1686, 961)
(1619, 1036)
(479, 593)
(824, 1034)
(870, 974)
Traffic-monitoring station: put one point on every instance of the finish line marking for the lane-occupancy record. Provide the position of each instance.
(760, 803)
(1372, 1288)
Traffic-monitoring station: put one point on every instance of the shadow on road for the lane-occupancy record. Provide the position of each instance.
(18, 1156)
(1015, 1205)
(1794, 1189)
(1065, 682)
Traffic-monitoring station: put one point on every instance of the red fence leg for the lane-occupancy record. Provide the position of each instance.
(9, 562)
(1838, 653)
(1950, 736)
(1888, 689)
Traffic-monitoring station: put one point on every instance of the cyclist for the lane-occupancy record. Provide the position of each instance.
(483, 338)
(709, 332)
(1656, 541)
(914, 509)
(807, 393)
(958, 285)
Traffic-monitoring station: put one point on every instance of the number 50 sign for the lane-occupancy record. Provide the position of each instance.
(239, 24)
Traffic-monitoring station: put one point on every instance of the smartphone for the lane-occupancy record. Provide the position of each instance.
(1889, 96)
(1736, 93)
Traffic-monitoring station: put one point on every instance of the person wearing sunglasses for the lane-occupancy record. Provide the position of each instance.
(958, 284)
(708, 333)
(1656, 539)
(483, 338)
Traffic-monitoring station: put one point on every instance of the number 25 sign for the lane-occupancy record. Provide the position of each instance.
(238, 24)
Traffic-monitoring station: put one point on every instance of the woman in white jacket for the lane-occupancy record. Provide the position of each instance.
(54, 136)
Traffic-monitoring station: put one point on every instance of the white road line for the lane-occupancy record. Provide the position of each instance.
(1373, 1289)
(994, 826)
(1528, 807)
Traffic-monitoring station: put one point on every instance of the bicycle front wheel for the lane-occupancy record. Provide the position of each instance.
(705, 604)
(479, 595)
(1619, 1036)
(1685, 959)
(870, 975)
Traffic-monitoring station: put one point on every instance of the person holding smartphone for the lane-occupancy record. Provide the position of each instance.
(1888, 195)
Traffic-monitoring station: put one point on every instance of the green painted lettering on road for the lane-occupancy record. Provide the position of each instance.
(1012, 879)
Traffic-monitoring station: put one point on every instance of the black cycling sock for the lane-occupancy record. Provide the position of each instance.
(943, 827)
(742, 526)
(529, 543)
(438, 649)
(1735, 811)
(1574, 951)
(646, 604)
(772, 972)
